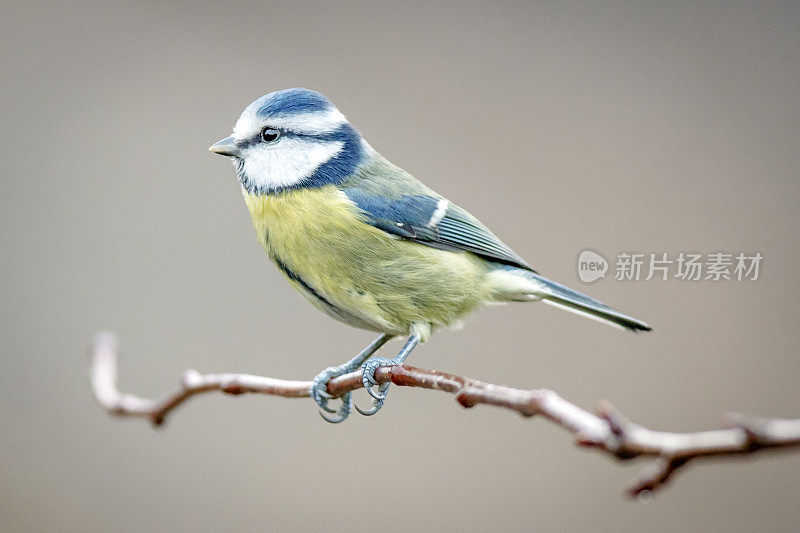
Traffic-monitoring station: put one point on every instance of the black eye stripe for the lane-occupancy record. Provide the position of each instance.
(269, 135)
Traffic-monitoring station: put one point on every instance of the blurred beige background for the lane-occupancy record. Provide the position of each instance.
(619, 127)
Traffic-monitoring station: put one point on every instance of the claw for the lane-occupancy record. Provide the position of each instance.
(319, 387)
(371, 411)
(376, 404)
(324, 406)
(321, 396)
(320, 391)
(332, 420)
(368, 372)
(368, 379)
(376, 395)
(342, 413)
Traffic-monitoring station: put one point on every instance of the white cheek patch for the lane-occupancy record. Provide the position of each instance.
(249, 124)
(287, 162)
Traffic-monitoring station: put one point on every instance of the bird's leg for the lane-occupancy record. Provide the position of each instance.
(368, 369)
(319, 392)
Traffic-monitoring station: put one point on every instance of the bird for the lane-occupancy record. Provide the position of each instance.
(369, 244)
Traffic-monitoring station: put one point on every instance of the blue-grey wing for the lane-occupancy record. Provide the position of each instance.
(433, 221)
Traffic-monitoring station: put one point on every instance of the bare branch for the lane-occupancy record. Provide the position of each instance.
(607, 431)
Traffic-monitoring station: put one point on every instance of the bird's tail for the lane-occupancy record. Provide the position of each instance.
(536, 287)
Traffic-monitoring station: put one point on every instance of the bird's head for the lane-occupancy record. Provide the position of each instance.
(290, 139)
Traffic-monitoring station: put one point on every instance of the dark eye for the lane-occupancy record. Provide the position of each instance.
(270, 135)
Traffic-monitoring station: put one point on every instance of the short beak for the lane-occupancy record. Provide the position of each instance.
(226, 146)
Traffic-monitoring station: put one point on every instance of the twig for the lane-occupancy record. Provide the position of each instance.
(607, 431)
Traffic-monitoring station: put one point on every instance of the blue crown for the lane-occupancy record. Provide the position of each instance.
(295, 101)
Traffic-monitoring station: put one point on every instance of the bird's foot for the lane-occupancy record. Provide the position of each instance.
(319, 388)
(319, 393)
(368, 379)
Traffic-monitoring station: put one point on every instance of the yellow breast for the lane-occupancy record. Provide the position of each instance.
(320, 242)
(290, 221)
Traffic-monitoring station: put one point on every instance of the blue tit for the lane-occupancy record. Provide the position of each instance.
(369, 244)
